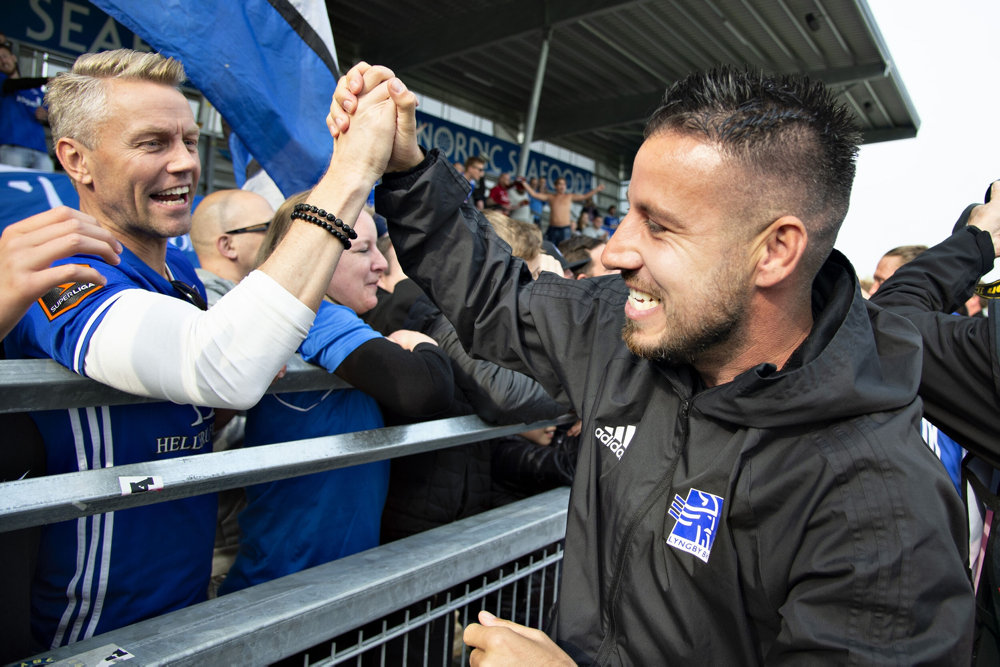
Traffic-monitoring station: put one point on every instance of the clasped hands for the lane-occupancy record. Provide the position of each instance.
(373, 123)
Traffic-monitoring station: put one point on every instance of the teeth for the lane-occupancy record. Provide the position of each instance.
(642, 300)
(182, 190)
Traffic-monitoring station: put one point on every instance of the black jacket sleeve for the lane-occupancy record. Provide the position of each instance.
(960, 382)
(417, 384)
(549, 329)
(498, 395)
(527, 468)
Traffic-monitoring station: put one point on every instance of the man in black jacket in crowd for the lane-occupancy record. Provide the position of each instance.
(960, 382)
(960, 385)
(751, 485)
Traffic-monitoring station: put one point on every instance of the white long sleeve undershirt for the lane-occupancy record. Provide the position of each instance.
(158, 346)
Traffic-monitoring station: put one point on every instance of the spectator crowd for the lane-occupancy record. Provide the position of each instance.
(773, 460)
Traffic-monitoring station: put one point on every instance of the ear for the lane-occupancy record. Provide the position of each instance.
(783, 245)
(224, 244)
(75, 159)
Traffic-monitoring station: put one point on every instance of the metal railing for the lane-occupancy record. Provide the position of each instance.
(279, 618)
(508, 556)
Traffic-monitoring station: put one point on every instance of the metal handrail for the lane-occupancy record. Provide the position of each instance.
(43, 384)
(40, 500)
(269, 621)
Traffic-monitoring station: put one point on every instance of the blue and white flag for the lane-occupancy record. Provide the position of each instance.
(268, 66)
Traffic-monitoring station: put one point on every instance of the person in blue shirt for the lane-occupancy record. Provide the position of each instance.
(292, 524)
(22, 116)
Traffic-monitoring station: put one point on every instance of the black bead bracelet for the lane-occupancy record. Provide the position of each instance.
(300, 215)
(309, 208)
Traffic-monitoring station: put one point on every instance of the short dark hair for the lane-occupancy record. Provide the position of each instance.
(576, 250)
(785, 130)
(474, 159)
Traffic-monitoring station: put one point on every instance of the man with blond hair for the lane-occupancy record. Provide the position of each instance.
(126, 137)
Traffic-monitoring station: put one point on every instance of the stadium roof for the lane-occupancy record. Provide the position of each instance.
(609, 61)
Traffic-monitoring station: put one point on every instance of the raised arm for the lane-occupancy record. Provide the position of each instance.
(543, 196)
(587, 195)
(439, 238)
(960, 381)
(226, 357)
(358, 161)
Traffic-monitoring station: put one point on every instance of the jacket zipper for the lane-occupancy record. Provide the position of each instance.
(611, 638)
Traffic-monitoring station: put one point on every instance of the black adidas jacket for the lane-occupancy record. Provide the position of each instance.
(789, 516)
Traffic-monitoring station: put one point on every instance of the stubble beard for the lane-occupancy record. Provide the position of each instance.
(691, 337)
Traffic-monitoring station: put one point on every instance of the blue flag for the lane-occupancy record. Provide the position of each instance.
(268, 66)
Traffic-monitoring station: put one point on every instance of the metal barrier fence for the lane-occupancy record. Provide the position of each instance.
(508, 557)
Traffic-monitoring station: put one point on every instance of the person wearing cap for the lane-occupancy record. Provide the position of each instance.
(22, 116)
(566, 268)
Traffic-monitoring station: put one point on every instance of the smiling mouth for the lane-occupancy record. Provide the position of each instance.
(642, 300)
(173, 197)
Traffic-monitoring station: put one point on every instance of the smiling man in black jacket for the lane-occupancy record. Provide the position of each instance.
(751, 485)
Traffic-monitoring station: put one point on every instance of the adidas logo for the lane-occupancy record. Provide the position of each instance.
(615, 438)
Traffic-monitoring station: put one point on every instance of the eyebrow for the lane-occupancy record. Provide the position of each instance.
(653, 211)
(160, 131)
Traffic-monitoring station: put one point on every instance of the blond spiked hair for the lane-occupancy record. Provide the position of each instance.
(77, 99)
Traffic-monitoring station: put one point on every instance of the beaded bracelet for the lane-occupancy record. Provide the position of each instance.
(299, 215)
(308, 208)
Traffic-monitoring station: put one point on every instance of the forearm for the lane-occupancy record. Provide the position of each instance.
(433, 231)
(497, 394)
(415, 384)
(452, 253)
(304, 261)
(537, 195)
(940, 279)
(158, 346)
(960, 379)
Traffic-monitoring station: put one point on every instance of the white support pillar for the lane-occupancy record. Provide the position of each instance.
(536, 95)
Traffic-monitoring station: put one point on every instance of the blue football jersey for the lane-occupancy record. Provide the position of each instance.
(105, 571)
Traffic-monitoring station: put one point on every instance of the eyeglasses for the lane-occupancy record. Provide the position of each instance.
(190, 294)
(259, 227)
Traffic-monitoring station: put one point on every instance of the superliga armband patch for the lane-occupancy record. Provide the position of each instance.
(63, 298)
